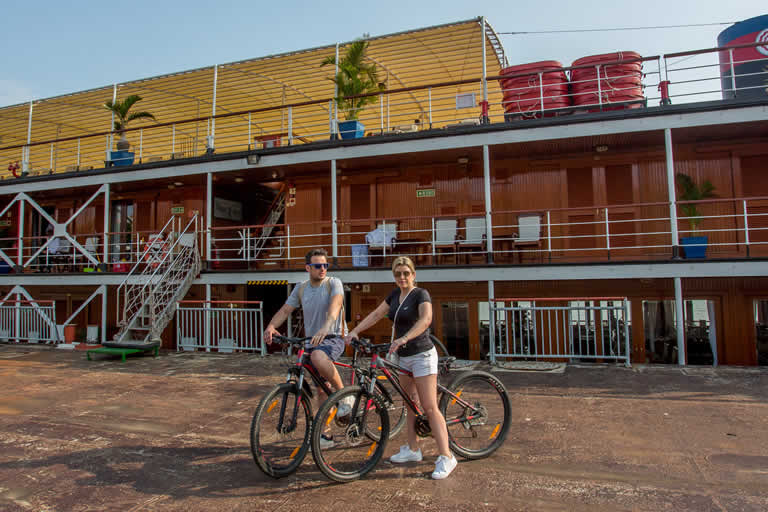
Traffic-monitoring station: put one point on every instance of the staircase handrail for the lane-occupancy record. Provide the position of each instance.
(135, 266)
(160, 265)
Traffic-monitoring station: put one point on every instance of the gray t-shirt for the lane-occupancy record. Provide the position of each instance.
(315, 303)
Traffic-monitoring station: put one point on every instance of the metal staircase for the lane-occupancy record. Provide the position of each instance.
(498, 48)
(146, 299)
(278, 207)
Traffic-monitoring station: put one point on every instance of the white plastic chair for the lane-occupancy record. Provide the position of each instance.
(445, 236)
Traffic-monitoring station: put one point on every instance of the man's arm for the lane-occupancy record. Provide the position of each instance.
(277, 320)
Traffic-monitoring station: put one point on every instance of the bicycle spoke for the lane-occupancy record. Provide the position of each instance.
(347, 447)
(279, 441)
(477, 415)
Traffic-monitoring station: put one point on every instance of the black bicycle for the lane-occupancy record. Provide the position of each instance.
(281, 425)
(475, 405)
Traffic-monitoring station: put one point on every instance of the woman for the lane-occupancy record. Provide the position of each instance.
(410, 309)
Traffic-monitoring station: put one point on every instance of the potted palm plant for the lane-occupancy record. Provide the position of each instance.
(695, 246)
(355, 77)
(123, 116)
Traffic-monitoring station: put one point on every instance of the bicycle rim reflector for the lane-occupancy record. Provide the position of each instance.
(370, 450)
(294, 452)
(330, 417)
(495, 431)
(458, 394)
(272, 406)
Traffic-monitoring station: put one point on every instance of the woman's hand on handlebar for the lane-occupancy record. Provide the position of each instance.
(351, 336)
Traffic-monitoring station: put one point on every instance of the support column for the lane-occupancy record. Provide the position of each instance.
(107, 211)
(210, 143)
(104, 314)
(671, 193)
(20, 241)
(491, 322)
(484, 118)
(334, 217)
(208, 215)
(488, 202)
(207, 317)
(679, 322)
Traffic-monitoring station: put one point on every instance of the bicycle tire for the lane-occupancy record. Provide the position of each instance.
(353, 452)
(469, 438)
(275, 454)
(395, 405)
(441, 350)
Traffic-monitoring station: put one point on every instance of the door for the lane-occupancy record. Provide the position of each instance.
(455, 328)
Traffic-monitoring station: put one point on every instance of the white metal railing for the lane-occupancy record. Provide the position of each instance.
(580, 328)
(220, 325)
(733, 227)
(678, 77)
(31, 321)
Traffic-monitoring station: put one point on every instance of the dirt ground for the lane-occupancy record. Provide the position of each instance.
(171, 433)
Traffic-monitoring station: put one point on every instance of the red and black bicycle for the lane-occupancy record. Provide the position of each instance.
(475, 405)
(282, 424)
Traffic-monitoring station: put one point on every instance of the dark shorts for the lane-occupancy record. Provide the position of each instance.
(333, 347)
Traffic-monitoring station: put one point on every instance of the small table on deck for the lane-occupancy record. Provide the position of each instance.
(121, 351)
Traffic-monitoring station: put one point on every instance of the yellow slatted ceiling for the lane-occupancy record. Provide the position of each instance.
(427, 56)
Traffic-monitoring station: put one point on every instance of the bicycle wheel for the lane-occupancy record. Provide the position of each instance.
(278, 446)
(441, 350)
(344, 448)
(476, 413)
(394, 403)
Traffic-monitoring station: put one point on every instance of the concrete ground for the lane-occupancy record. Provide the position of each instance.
(171, 433)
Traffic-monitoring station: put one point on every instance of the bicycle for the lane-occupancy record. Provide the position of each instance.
(475, 405)
(282, 422)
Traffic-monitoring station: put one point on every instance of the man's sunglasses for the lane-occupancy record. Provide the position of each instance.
(319, 265)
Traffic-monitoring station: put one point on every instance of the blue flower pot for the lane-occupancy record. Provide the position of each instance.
(121, 158)
(351, 129)
(694, 246)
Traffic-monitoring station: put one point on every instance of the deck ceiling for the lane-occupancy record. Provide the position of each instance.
(431, 55)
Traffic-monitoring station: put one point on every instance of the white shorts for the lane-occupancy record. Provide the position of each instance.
(420, 365)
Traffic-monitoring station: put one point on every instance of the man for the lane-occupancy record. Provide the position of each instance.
(321, 298)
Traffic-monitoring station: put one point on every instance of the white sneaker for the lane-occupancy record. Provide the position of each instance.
(406, 455)
(345, 406)
(444, 466)
(326, 442)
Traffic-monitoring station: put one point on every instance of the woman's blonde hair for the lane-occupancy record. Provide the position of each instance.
(403, 261)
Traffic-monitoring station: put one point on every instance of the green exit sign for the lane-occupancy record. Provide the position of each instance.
(177, 210)
(425, 192)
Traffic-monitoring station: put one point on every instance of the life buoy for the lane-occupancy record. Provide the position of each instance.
(13, 167)
(155, 251)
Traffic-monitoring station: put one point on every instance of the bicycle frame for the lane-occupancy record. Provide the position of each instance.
(376, 368)
(296, 374)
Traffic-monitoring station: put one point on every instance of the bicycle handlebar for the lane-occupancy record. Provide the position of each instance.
(367, 346)
(295, 342)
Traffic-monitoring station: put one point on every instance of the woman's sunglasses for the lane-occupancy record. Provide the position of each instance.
(402, 273)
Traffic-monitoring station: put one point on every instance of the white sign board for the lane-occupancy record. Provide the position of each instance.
(465, 100)
(226, 209)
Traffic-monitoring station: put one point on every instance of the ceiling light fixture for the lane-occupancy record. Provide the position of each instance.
(463, 160)
(178, 183)
(239, 180)
(601, 149)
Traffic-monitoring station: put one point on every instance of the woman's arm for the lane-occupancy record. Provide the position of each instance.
(370, 320)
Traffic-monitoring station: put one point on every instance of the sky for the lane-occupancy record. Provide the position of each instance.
(52, 48)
